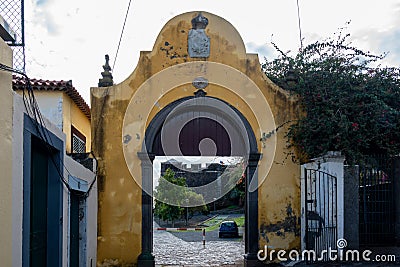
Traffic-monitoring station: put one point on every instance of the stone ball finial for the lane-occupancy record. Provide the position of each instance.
(199, 22)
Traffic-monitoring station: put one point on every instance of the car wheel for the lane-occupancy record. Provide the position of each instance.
(219, 235)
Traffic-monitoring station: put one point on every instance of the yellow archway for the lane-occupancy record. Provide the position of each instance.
(170, 72)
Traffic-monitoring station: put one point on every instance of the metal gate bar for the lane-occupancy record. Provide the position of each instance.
(321, 212)
(376, 197)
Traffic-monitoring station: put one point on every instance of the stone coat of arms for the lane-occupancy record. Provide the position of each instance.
(198, 41)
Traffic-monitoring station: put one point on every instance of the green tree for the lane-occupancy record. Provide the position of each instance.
(350, 105)
(166, 194)
(167, 212)
(181, 195)
(197, 202)
(233, 181)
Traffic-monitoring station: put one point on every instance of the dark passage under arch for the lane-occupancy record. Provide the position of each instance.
(191, 126)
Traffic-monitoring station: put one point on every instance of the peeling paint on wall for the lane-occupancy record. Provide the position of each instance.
(120, 214)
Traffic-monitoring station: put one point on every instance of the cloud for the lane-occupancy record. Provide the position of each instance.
(50, 25)
(389, 43)
(381, 40)
(41, 2)
(43, 17)
(263, 50)
(68, 39)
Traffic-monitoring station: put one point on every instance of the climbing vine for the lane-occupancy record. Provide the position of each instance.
(351, 103)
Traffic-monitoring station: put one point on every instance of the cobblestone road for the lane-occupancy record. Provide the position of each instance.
(171, 250)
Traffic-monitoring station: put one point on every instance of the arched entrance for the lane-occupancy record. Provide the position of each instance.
(128, 121)
(187, 122)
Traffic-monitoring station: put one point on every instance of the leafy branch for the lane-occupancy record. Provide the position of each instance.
(351, 105)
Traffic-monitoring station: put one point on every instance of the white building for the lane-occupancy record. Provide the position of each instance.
(48, 216)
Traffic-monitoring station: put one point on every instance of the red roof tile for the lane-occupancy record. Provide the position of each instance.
(19, 83)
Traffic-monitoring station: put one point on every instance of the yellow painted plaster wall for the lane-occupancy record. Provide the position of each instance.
(119, 218)
(6, 162)
(61, 110)
(72, 115)
(66, 113)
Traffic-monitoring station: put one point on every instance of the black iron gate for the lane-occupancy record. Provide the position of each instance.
(376, 198)
(320, 212)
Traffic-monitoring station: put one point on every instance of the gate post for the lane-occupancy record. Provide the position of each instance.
(303, 197)
(251, 213)
(396, 181)
(351, 206)
(146, 258)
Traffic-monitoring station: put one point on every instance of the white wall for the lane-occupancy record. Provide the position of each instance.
(18, 173)
(77, 170)
(5, 157)
(333, 164)
(18, 178)
(51, 106)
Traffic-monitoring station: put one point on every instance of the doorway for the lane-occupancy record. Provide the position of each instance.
(199, 127)
(38, 205)
(178, 229)
(42, 198)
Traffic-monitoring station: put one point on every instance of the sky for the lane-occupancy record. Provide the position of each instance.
(67, 40)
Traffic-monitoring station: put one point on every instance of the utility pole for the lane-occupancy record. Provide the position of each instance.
(214, 203)
(187, 211)
(298, 16)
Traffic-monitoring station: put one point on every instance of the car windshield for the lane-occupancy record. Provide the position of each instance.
(228, 225)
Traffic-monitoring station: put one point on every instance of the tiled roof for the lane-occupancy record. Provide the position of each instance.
(19, 83)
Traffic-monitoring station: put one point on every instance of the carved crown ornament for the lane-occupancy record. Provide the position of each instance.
(198, 41)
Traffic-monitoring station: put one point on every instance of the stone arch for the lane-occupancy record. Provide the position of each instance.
(167, 74)
(147, 155)
(158, 120)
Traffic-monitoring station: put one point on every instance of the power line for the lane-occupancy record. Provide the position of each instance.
(298, 16)
(107, 90)
(122, 32)
(34, 114)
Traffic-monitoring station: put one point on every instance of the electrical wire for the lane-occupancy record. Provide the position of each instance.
(298, 16)
(122, 33)
(36, 117)
(107, 90)
(95, 177)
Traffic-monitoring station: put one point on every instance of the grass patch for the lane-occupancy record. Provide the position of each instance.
(212, 228)
(239, 221)
(214, 223)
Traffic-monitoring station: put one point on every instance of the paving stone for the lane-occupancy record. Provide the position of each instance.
(172, 251)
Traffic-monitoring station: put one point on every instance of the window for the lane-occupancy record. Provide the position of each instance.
(78, 141)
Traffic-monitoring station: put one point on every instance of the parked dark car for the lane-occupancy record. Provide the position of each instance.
(228, 228)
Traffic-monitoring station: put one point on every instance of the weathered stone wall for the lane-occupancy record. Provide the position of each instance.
(119, 219)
